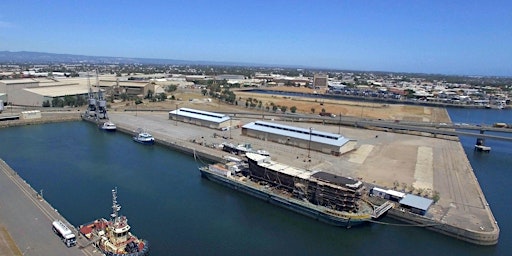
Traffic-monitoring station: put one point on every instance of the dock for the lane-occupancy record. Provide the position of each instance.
(429, 164)
(26, 221)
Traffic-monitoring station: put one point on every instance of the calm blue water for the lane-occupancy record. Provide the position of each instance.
(168, 203)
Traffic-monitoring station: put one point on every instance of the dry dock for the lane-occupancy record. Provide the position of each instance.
(416, 164)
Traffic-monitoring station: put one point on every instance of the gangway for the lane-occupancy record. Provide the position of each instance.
(91, 241)
(382, 209)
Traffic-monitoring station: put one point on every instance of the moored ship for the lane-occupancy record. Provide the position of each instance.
(113, 237)
(143, 137)
(329, 198)
(108, 126)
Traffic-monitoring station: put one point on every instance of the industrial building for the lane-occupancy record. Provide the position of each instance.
(416, 204)
(388, 194)
(203, 118)
(310, 139)
(33, 92)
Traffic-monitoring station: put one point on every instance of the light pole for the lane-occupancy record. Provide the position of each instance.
(309, 144)
(176, 116)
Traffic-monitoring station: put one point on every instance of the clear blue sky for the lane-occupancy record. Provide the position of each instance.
(447, 37)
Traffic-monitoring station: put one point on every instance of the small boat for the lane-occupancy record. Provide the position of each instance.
(113, 237)
(108, 126)
(144, 137)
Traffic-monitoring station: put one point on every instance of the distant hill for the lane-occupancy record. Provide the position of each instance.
(48, 58)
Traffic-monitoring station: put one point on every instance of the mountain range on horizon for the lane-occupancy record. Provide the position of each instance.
(29, 57)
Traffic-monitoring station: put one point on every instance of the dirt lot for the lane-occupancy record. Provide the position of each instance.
(194, 99)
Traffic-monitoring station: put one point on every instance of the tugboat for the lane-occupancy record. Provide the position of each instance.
(113, 237)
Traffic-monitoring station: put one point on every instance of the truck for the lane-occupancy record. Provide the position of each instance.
(65, 234)
(327, 114)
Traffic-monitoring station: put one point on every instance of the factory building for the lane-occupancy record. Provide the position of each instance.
(38, 95)
(203, 118)
(34, 92)
(310, 139)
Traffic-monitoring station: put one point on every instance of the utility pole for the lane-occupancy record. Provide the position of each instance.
(339, 126)
(176, 116)
(309, 144)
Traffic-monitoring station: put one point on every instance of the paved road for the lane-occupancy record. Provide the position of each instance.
(28, 219)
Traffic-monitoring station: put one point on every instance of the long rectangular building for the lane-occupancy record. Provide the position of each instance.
(202, 118)
(312, 139)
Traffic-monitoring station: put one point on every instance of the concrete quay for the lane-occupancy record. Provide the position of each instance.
(402, 162)
(26, 221)
(414, 164)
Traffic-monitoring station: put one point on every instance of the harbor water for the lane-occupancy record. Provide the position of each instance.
(76, 165)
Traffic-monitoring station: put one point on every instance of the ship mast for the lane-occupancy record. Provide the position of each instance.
(115, 206)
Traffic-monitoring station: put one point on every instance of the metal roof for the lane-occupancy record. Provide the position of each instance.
(202, 115)
(298, 133)
(59, 91)
(417, 202)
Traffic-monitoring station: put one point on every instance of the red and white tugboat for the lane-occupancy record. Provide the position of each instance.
(113, 236)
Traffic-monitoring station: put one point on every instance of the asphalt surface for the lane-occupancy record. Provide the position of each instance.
(28, 220)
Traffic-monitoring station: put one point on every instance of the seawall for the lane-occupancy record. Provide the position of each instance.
(471, 236)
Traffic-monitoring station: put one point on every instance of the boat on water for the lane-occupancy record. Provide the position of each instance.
(333, 199)
(113, 237)
(144, 137)
(108, 126)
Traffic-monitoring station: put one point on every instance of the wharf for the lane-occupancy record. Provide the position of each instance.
(26, 220)
(389, 160)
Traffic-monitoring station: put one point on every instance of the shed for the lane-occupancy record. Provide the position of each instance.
(416, 204)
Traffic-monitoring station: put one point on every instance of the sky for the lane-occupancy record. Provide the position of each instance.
(442, 37)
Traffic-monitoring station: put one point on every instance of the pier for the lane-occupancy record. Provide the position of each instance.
(26, 220)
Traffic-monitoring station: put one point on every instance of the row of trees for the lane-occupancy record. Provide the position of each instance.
(71, 101)
(255, 103)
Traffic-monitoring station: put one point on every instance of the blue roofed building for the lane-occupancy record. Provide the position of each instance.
(308, 138)
(416, 204)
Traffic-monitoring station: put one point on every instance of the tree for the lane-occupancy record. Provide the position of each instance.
(171, 88)
(284, 108)
(436, 196)
(313, 110)
(323, 110)
(293, 109)
(162, 96)
(204, 92)
(46, 104)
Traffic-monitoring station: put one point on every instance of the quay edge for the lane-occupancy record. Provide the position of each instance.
(487, 238)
